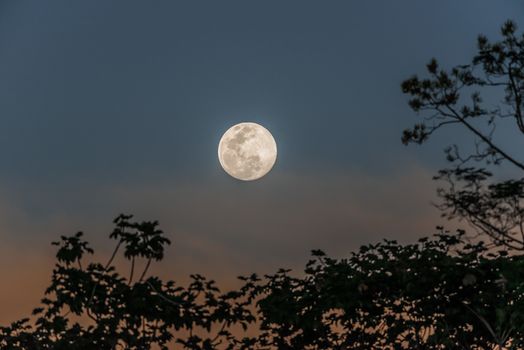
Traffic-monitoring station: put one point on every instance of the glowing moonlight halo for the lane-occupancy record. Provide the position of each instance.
(247, 151)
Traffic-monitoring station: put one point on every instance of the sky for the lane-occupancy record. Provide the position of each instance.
(118, 106)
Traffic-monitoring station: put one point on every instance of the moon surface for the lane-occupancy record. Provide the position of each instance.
(247, 151)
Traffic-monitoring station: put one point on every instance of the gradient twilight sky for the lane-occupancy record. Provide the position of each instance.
(118, 106)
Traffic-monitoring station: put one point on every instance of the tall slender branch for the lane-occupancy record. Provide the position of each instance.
(132, 271)
(145, 270)
(483, 137)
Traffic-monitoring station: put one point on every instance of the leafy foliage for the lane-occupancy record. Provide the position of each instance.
(95, 307)
(440, 292)
(437, 293)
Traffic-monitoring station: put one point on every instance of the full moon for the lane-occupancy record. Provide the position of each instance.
(247, 151)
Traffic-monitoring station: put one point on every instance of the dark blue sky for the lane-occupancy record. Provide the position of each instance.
(111, 106)
(118, 90)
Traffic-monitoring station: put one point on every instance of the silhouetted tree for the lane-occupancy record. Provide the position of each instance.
(437, 292)
(455, 97)
(95, 307)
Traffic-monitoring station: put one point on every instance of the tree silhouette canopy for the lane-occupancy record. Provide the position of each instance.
(493, 208)
(438, 292)
(447, 291)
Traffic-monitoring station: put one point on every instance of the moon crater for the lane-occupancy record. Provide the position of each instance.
(247, 151)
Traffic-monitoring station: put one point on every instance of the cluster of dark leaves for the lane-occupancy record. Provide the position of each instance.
(95, 307)
(438, 292)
